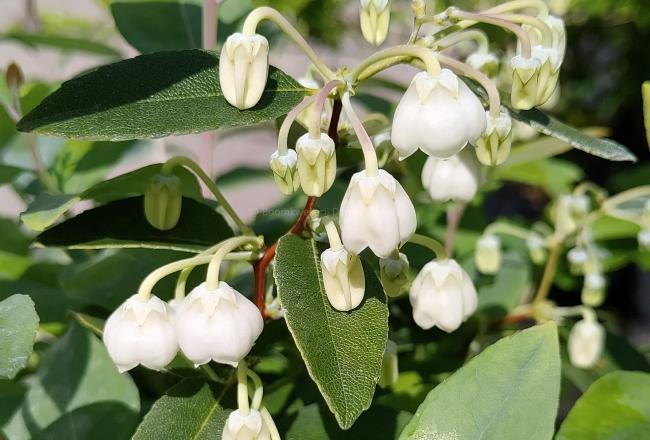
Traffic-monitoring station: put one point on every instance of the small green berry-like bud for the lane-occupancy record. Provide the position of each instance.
(393, 272)
(593, 289)
(285, 171)
(316, 163)
(488, 254)
(549, 72)
(389, 365)
(493, 147)
(536, 248)
(162, 201)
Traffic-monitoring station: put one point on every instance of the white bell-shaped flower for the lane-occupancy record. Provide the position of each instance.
(343, 278)
(442, 295)
(220, 325)
(456, 178)
(487, 63)
(578, 258)
(244, 69)
(593, 289)
(525, 82)
(488, 254)
(493, 147)
(438, 114)
(141, 332)
(285, 171)
(374, 17)
(377, 213)
(586, 342)
(245, 427)
(316, 163)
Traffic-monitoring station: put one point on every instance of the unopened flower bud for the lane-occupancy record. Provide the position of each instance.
(586, 342)
(558, 30)
(487, 63)
(315, 222)
(374, 16)
(536, 248)
(577, 258)
(140, 332)
(493, 147)
(488, 254)
(593, 289)
(644, 240)
(438, 114)
(220, 325)
(389, 366)
(245, 427)
(243, 69)
(394, 274)
(285, 171)
(570, 210)
(316, 163)
(549, 72)
(343, 278)
(525, 82)
(442, 295)
(456, 178)
(377, 213)
(163, 201)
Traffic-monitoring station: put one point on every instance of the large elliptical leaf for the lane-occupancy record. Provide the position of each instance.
(154, 95)
(190, 409)
(18, 327)
(616, 406)
(510, 391)
(342, 350)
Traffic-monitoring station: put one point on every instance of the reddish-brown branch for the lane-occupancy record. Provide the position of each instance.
(333, 130)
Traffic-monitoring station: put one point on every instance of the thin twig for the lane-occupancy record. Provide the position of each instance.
(454, 215)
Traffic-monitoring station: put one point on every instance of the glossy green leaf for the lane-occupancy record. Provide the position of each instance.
(616, 406)
(342, 350)
(510, 284)
(60, 42)
(18, 327)
(46, 209)
(556, 176)
(243, 175)
(8, 173)
(189, 410)
(509, 391)
(548, 125)
(173, 92)
(77, 393)
(122, 224)
(13, 265)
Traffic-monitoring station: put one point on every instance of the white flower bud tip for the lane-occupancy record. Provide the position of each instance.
(438, 114)
(343, 279)
(377, 213)
(493, 147)
(442, 295)
(316, 163)
(586, 342)
(525, 81)
(488, 254)
(243, 69)
(536, 248)
(593, 289)
(140, 332)
(245, 427)
(487, 63)
(285, 171)
(456, 178)
(220, 325)
(549, 72)
(374, 17)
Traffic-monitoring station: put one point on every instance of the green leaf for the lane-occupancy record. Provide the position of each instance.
(243, 175)
(18, 327)
(122, 224)
(556, 176)
(616, 406)
(509, 391)
(46, 209)
(645, 91)
(342, 350)
(61, 42)
(548, 125)
(9, 173)
(77, 393)
(189, 410)
(510, 283)
(174, 92)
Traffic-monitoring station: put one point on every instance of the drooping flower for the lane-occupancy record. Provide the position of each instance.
(393, 273)
(525, 82)
(343, 278)
(438, 114)
(285, 171)
(488, 254)
(586, 341)
(316, 163)
(220, 325)
(456, 178)
(244, 69)
(389, 366)
(245, 427)
(163, 201)
(442, 295)
(374, 17)
(593, 289)
(493, 147)
(377, 213)
(140, 332)
(486, 63)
